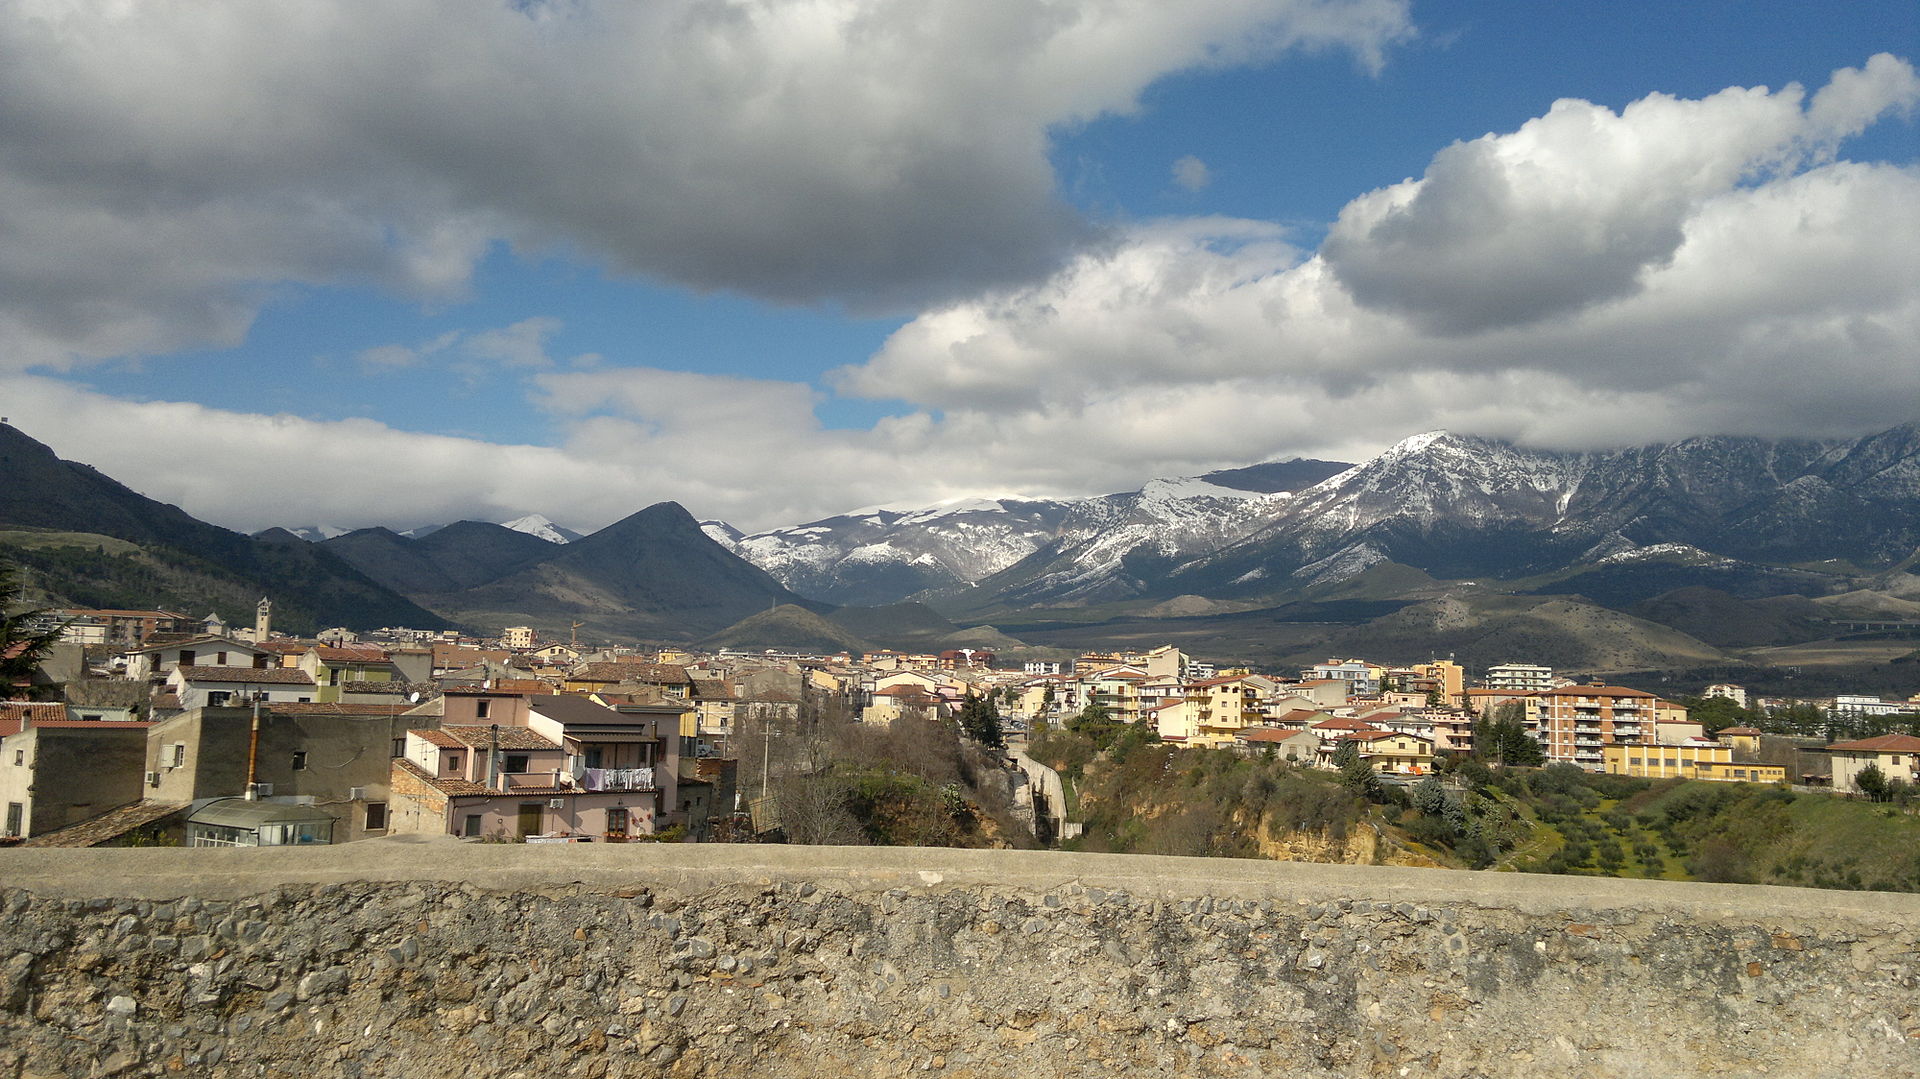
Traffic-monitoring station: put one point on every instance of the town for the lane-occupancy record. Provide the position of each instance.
(144, 726)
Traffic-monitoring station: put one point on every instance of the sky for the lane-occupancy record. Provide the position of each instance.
(308, 261)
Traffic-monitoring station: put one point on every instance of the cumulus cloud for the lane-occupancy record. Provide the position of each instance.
(1191, 174)
(1578, 206)
(1593, 279)
(1779, 296)
(162, 166)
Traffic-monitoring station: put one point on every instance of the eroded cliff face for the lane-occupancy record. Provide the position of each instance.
(493, 961)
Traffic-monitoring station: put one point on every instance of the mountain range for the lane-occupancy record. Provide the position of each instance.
(1753, 516)
(1680, 553)
(87, 540)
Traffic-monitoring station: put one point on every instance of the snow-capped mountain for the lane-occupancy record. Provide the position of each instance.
(1455, 506)
(878, 556)
(1458, 506)
(317, 533)
(534, 524)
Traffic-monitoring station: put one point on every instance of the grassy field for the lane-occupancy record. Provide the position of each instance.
(39, 541)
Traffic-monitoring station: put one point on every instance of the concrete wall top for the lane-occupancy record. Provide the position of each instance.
(226, 873)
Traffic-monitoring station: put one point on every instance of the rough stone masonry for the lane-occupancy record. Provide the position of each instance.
(439, 958)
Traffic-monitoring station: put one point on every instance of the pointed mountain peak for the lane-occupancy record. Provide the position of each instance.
(538, 524)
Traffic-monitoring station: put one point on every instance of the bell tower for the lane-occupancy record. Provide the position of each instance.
(262, 619)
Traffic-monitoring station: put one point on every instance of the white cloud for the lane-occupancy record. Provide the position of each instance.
(1191, 174)
(473, 354)
(162, 165)
(1578, 206)
(1682, 267)
(1786, 301)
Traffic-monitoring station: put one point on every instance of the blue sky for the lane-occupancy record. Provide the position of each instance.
(920, 251)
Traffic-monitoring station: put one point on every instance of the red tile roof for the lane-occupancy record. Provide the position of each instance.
(510, 737)
(330, 654)
(1267, 734)
(1375, 736)
(31, 714)
(1594, 691)
(1886, 743)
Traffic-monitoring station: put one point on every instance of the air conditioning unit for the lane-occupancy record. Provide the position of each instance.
(263, 790)
(556, 803)
(356, 794)
(153, 779)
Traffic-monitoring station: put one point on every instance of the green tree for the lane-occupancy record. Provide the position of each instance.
(22, 647)
(1502, 737)
(1355, 773)
(1871, 782)
(1430, 797)
(980, 719)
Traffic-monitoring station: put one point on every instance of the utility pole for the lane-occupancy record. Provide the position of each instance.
(766, 755)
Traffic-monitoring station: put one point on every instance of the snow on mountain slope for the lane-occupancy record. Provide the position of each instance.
(882, 555)
(1458, 505)
(878, 557)
(318, 533)
(534, 524)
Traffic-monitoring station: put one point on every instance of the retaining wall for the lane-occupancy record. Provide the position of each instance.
(432, 958)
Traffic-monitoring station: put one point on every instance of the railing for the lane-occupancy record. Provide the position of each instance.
(555, 778)
(615, 779)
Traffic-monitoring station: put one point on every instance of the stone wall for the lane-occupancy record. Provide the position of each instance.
(429, 958)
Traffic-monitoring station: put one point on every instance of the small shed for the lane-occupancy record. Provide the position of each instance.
(240, 822)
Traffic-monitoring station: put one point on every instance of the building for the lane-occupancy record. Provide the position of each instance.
(335, 757)
(1296, 745)
(1896, 755)
(330, 667)
(1392, 751)
(55, 771)
(1442, 676)
(1577, 722)
(219, 687)
(1520, 677)
(1736, 694)
(1715, 761)
(154, 662)
(518, 637)
(248, 822)
(1361, 678)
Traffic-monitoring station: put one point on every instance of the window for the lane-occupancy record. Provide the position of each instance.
(16, 814)
(376, 816)
(219, 659)
(453, 762)
(471, 827)
(20, 757)
(218, 698)
(617, 820)
(186, 657)
(299, 760)
(517, 762)
(179, 754)
(481, 709)
(399, 747)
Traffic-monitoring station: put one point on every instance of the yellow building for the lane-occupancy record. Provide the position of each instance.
(1691, 761)
(1394, 751)
(1449, 677)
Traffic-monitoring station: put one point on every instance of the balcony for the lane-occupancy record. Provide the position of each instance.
(614, 779)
